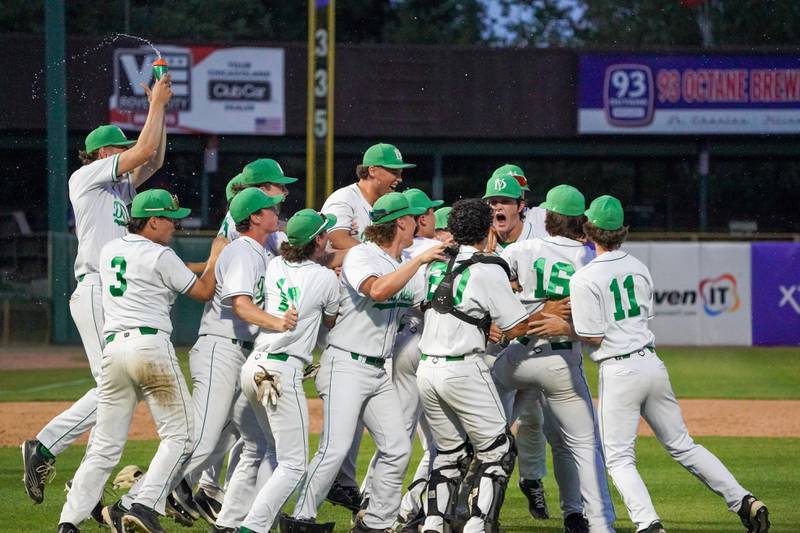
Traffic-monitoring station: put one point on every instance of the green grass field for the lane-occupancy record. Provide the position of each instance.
(767, 466)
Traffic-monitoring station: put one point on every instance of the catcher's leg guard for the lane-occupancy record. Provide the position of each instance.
(489, 488)
(293, 525)
(443, 483)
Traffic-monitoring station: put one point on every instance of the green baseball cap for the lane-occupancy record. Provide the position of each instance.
(418, 198)
(441, 217)
(515, 172)
(107, 135)
(503, 186)
(157, 203)
(264, 171)
(307, 224)
(564, 200)
(250, 201)
(391, 207)
(384, 155)
(606, 213)
(229, 187)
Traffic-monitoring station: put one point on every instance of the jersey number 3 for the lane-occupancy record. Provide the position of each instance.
(119, 264)
(619, 312)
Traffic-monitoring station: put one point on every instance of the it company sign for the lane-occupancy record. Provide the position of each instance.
(718, 295)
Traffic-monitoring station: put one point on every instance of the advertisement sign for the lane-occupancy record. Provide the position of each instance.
(688, 94)
(215, 90)
(776, 293)
(701, 291)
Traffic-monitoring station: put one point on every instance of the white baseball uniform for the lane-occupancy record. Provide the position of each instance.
(272, 244)
(313, 290)
(349, 205)
(140, 281)
(99, 199)
(554, 367)
(458, 395)
(534, 223)
(612, 298)
(352, 382)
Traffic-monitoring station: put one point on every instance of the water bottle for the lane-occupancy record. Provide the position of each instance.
(159, 68)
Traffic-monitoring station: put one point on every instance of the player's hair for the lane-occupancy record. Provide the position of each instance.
(244, 225)
(362, 172)
(298, 254)
(381, 234)
(238, 187)
(137, 225)
(557, 224)
(469, 221)
(88, 157)
(608, 239)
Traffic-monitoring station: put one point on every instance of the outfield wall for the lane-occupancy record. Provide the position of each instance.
(719, 293)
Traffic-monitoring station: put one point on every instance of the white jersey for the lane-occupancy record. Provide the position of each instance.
(313, 290)
(272, 244)
(100, 201)
(364, 326)
(612, 297)
(420, 245)
(348, 204)
(482, 288)
(140, 280)
(534, 223)
(239, 270)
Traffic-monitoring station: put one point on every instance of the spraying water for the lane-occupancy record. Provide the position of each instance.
(36, 86)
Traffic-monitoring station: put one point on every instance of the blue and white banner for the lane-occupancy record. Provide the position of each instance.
(688, 94)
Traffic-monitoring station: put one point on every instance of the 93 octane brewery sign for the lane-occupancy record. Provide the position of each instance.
(215, 90)
(688, 94)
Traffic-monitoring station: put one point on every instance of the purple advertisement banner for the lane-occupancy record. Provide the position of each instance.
(685, 94)
(776, 293)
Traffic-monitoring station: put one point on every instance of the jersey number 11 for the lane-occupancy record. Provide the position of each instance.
(634, 309)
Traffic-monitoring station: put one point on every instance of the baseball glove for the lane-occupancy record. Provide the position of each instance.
(269, 386)
(310, 371)
(127, 477)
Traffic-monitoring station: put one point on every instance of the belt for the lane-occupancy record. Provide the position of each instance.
(80, 278)
(142, 331)
(372, 361)
(278, 356)
(651, 349)
(247, 345)
(447, 358)
(553, 345)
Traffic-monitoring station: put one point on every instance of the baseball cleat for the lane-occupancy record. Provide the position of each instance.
(66, 527)
(289, 524)
(112, 517)
(575, 523)
(361, 527)
(207, 506)
(183, 497)
(141, 519)
(655, 527)
(97, 511)
(217, 529)
(534, 492)
(754, 515)
(345, 495)
(37, 471)
(176, 511)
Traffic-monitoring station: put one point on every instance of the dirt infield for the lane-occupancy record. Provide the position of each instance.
(731, 418)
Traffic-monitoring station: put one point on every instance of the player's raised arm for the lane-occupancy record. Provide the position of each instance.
(153, 133)
(203, 288)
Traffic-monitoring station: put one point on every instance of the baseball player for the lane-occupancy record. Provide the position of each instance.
(441, 233)
(140, 278)
(458, 395)
(375, 288)
(100, 192)
(405, 360)
(542, 268)
(612, 300)
(380, 172)
(272, 377)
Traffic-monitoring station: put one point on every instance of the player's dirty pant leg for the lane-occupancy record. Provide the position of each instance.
(343, 388)
(287, 422)
(117, 400)
(157, 373)
(622, 391)
(662, 412)
(254, 468)
(86, 308)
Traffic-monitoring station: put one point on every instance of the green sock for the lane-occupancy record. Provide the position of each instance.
(45, 453)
